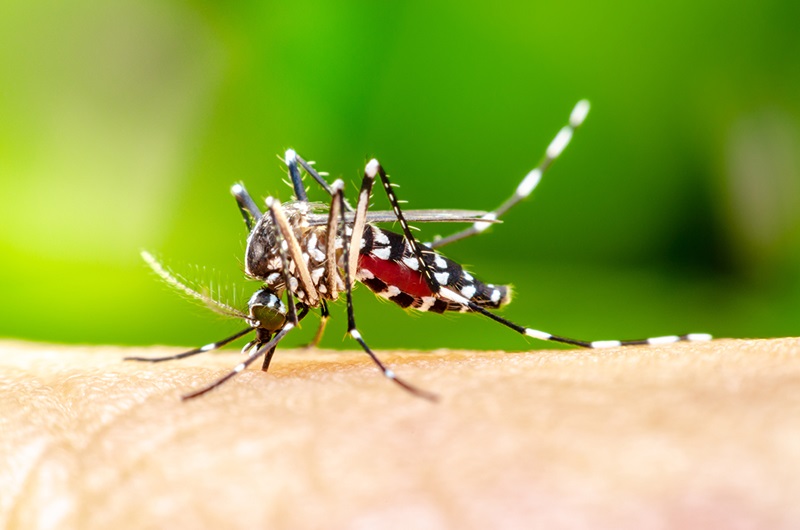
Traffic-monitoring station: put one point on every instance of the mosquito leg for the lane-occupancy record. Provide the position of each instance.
(208, 347)
(292, 160)
(448, 294)
(291, 321)
(542, 335)
(323, 321)
(247, 205)
(331, 267)
(267, 348)
(531, 180)
(308, 295)
(296, 178)
(355, 243)
(374, 168)
(270, 353)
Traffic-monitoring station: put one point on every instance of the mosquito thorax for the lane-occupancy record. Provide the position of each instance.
(267, 310)
(262, 256)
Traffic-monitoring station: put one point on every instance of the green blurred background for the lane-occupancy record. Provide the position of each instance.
(123, 125)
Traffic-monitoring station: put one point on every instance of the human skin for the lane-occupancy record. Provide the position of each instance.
(689, 435)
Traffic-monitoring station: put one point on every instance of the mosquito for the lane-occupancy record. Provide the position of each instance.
(312, 256)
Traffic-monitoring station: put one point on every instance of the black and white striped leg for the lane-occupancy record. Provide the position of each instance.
(292, 160)
(208, 347)
(543, 335)
(292, 320)
(531, 180)
(247, 206)
(351, 248)
(373, 168)
(270, 353)
(268, 349)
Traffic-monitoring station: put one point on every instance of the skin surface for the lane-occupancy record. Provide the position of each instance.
(690, 435)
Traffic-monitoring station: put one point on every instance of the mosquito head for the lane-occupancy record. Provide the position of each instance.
(267, 310)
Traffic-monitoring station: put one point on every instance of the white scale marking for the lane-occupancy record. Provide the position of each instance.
(579, 113)
(468, 291)
(390, 292)
(559, 142)
(379, 237)
(495, 296)
(663, 340)
(427, 303)
(440, 262)
(316, 274)
(442, 277)
(698, 336)
(453, 296)
(480, 226)
(536, 334)
(530, 182)
(318, 255)
(372, 168)
(382, 253)
(599, 344)
(364, 274)
(411, 263)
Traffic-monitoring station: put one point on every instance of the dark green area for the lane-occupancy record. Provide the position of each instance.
(676, 208)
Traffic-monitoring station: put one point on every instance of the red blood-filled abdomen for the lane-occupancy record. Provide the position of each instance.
(393, 273)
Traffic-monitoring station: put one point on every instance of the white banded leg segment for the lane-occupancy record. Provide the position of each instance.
(208, 347)
(653, 341)
(388, 373)
(536, 334)
(598, 344)
(663, 340)
(531, 180)
(350, 252)
(559, 143)
(579, 113)
(529, 183)
(602, 344)
(244, 364)
(432, 281)
(480, 226)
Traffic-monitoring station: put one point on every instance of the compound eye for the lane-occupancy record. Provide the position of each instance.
(268, 309)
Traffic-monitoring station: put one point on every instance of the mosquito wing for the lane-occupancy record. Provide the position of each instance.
(415, 216)
(182, 284)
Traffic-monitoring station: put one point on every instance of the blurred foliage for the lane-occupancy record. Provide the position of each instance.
(675, 209)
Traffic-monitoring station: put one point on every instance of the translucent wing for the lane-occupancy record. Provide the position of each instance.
(416, 216)
(182, 284)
